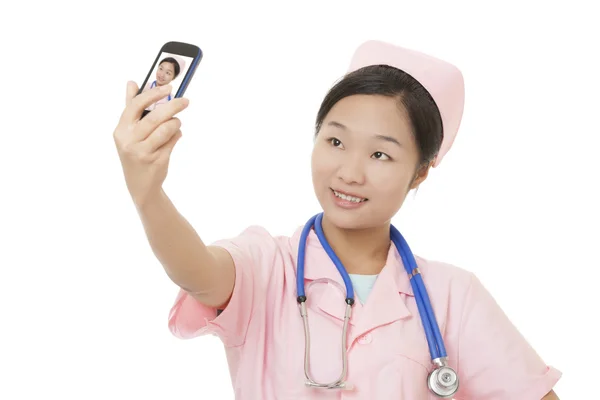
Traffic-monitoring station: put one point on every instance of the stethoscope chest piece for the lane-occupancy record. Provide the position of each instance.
(443, 381)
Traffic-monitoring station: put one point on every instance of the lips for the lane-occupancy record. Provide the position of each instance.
(348, 194)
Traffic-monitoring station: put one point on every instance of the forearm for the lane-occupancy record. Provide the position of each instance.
(183, 255)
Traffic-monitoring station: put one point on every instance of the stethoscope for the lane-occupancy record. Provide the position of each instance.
(442, 380)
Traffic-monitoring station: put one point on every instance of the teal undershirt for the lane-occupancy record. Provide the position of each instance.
(362, 284)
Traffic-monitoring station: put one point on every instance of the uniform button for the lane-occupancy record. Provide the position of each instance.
(365, 339)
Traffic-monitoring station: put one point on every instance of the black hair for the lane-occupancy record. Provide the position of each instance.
(175, 65)
(383, 80)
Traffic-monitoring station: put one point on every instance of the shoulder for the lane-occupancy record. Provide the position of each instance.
(263, 258)
(257, 235)
(457, 288)
(258, 243)
(444, 275)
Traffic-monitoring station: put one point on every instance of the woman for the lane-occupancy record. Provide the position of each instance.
(168, 70)
(378, 132)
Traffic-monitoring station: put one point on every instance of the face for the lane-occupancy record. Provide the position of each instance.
(365, 149)
(165, 73)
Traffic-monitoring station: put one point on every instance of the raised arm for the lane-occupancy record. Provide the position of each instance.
(206, 272)
(144, 146)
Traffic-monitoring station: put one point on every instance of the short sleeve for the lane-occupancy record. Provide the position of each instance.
(495, 361)
(253, 253)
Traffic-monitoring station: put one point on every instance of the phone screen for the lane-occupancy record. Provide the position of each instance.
(170, 69)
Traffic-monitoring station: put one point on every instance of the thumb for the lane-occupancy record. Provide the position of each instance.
(132, 90)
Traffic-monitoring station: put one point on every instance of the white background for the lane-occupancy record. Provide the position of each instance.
(84, 303)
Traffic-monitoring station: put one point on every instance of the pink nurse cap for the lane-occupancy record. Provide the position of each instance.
(443, 81)
(180, 61)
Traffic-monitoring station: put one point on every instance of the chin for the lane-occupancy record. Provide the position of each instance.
(346, 219)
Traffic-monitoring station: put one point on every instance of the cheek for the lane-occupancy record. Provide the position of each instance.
(391, 182)
(323, 165)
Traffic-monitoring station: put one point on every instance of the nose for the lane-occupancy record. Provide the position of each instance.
(351, 171)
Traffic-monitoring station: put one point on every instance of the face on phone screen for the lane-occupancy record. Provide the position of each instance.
(170, 70)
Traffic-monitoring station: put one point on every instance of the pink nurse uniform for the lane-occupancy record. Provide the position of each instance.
(388, 356)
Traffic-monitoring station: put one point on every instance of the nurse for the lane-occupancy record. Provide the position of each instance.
(168, 69)
(378, 132)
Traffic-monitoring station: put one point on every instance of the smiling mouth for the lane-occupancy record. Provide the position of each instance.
(348, 197)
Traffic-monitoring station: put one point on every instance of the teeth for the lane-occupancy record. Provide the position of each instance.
(348, 198)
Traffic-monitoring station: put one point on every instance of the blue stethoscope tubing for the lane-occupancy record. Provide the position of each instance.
(435, 342)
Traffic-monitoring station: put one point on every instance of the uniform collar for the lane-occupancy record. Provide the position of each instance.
(318, 265)
(391, 288)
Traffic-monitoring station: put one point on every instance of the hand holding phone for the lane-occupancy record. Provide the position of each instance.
(145, 144)
(175, 65)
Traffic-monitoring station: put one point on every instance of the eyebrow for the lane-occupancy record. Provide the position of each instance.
(385, 138)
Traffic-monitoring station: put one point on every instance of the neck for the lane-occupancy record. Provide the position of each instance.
(362, 251)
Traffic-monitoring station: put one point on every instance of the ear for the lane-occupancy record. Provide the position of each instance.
(421, 175)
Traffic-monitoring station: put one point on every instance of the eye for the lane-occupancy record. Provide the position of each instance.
(381, 156)
(335, 142)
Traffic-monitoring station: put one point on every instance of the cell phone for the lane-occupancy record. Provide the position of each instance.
(175, 64)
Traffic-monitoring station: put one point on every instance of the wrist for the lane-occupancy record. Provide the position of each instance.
(151, 202)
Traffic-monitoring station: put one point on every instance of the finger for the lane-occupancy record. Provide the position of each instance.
(167, 148)
(132, 90)
(140, 102)
(162, 134)
(157, 117)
